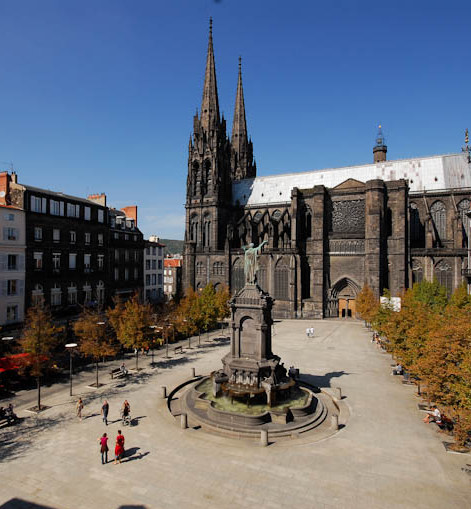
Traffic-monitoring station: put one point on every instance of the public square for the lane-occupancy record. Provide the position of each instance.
(384, 457)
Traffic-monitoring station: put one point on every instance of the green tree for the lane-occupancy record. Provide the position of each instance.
(39, 341)
(94, 341)
(131, 322)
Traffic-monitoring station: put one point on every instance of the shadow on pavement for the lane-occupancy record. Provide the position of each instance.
(323, 380)
(17, 503)
(132, 454)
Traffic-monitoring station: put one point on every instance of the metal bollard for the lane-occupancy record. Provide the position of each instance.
(193, 372)
(264, 437)
(335, 422)
(163, 391)
(183, 421)
(337, 393)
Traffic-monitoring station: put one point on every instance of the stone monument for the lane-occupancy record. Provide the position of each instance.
(251, 368)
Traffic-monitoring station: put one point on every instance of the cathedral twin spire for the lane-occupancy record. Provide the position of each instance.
(242, 165)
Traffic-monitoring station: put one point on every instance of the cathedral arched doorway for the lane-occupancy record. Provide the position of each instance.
(342, 302)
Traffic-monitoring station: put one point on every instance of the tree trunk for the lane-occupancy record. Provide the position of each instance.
(96, 373)
(38, 383)
(137, 357)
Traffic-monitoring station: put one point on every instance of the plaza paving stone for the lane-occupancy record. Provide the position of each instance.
(384, 457)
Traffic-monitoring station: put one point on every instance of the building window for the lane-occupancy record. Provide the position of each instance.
(444, 275)
(73, 237)
(87, 238)
(136, 256)
(417, 273)
(147, 264)
(87, 290)
(160, 279)
(87, 214)
(100, 239)
(73, 210)
(134, 237)
(200, 269)
(126, 236)
(207, 231)
(10, 233)
(417, 231)
(147, 279)
(56, 235)
(56, 295)
(237, 276)
(37, 295)
(116, 273)
(38, 204)
(136, 273)
(116, 236)
(9, 217)
(116, 255)
(38, 261)
(126, 255)
(154, 279)
(87, 262)
(464, 209)
(56, 261)
(12, 287)
(159, 264)
(12, 313)
(72, 294)
(281, 282)
(100, 216)
(72, 261)
(154, 264)
(101, 262)
(56, 208)
(100, 292)
(38, 233)
(218, 269)
(126, 274)
(438, 212)
(13, 262)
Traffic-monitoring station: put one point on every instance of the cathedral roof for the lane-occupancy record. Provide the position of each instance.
(423, 173)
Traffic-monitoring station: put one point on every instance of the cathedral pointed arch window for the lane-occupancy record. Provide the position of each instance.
(200, 269)
(207, 230)
(281, 280)
(306, 223)
(444, 275)
(464, 209)
(237, 275)
(218, 268)
(417, 272)
(417, 230)
(195, 178)
(194, 228)
(207, 177)
(438, 212)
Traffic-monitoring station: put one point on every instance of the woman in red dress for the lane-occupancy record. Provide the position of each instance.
(119, 447)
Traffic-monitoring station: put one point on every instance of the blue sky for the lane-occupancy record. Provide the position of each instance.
(99, 95)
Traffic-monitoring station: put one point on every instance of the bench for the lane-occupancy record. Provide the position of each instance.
(8, 420)
(116, 373)
(180, 348)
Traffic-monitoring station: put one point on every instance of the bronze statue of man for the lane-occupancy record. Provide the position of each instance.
(251, 261)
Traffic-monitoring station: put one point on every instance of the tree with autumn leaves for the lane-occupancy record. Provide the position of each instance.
(39, 341)
(431, 337)
(94, 341)
(131, 321)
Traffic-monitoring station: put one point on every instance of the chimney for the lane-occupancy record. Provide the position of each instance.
(5, 179)
(98, 198)
(131, 212)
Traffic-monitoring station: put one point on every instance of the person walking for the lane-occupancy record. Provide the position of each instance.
(119, 447)
(104, 448)
(79, 408)
(104, 411)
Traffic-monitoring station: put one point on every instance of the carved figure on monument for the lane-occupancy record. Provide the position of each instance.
(251, 261)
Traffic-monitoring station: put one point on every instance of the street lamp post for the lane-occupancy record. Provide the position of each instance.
(70, 346)
(153, 343)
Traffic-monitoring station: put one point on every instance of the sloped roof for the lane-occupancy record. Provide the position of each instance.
(422, 173)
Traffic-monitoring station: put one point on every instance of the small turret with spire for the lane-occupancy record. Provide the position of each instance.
(242, 148)
(467, 148)
(380, 149)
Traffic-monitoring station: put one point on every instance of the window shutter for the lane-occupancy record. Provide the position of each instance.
(62, 208)
(77, 210)
(32, 203)
(4, 287)
(3, 261)
(21, 285)
(44, 205)
(21, 262)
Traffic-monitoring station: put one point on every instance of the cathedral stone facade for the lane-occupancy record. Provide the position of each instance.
(329, 232)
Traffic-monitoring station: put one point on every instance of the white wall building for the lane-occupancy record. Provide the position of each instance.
(12, 264)
(153, 269)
